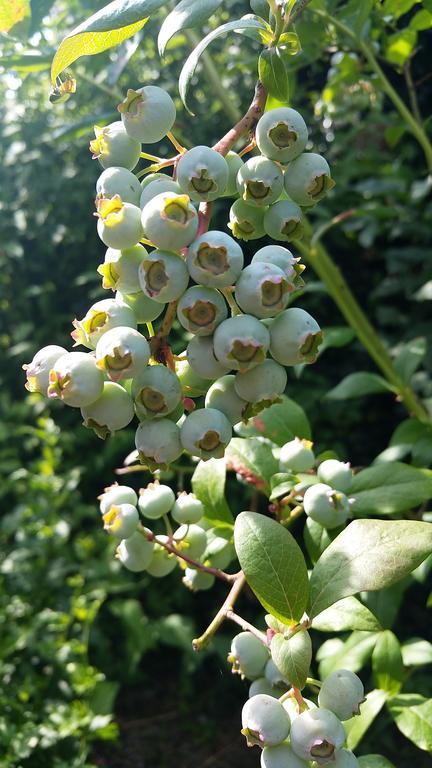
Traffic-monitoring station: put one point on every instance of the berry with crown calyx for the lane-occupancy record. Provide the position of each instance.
(162, 183)
(248, 656)
(100, 318)
(215, 259)
(202, 173)
(246, 222)
(281, 134)
(38, 370)
(119, 224)
(158, 443)
(162, 562)
(147, 113)
(202, 360)
(342, 692)
(117, 494)
(241, 342)
(294, 337)
(163, 276)
(122, 353)
(307, 179)
(156, 500)
(190, 539)
(135, 552)
(201, 309)
(265, 722)
(112, 411)
(262, 290)
(144, 310)
(284, 221)
(318, 735)
(119, 181)
(296, 456)
(156, 391)
(223, 396)
(206, 433)
(120, 268)
(259, 181)
(121, 520)
(336, 473)
(264, 383)
(113, 147)
(284, 259)
(187, 509)
(326, 506)
(75, 379)
(197, 581)
(170, 221)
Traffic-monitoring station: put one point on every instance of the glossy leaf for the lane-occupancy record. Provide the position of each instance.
(389, 488)
(416, 652)
(208, 485)
(346, 614)
(356, 727)
(273, 74)
(293, 657)
(387, 664)
(253, 460)
(186, 14)
(412, 714)
(352, 654)
(279, 423)
(358, 385)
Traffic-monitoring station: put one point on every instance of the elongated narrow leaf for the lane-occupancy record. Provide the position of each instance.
(413, 716)
(273, 564)
(188, 71)
(389, 488)
(208, 485)
(368, 555)
(187, 14)
(387, 664)
(357, 726)
(357, 385)
(105, 29)
(348, 613)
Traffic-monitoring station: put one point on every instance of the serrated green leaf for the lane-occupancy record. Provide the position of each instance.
(253, 460)
(413, 716)
(416, 652)
(387, 664)
(358, 385)
(347, 614)
(368, 555)
(351, 654)
(374, 761)
(208, 485)
(356, 727)
(273, 74)
(279, 423)
(293, 657)
(273, 564)
(389, 488)
(186, 14)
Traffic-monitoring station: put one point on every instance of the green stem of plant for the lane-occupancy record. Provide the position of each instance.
(313, 682)
(200, 642)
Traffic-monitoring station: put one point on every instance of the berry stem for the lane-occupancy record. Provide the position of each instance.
(235, 309)
(239, 582)
(176, 144)
(204, 216)
(154, 158)
(246, 626)
(150, 329)
(313, 682)
(246, 124)
(168, 320)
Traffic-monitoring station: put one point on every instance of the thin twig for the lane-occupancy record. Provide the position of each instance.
(246, 124)
(246, 626)
(239, 582)
(412, 94)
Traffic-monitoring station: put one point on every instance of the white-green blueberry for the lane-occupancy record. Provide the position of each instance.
(75, 379)
(201, 309)
(219, 551)
(215, 259)
(281, 756)
(120, 268)
(38, 370)
(318, 735)
(262, 685)
(156, 391)
(158, 442)
(117, 494)
(262, 290)
(122, 353)
(145, 310)
(294, 709)
(345, 759)
(280, 256)
(163, 276)
(294, 337)
(222, 395)
(296, 456)
(281, 134)
(121, 520)
(191, 540)
(147, 113)
(206, 433)
(135, 552)
(119, 224)
(156, 500)
(241, 342)
(162, 561)
(202, 173)
(170, 221)
(274, 675)
(119, 181)
(100, 318)
(342, 692)
(234, 163)
(187, 508)
(248, 656)
(113, 147)
(259, 181)
(336, 473)
(192, 385)
(264, 382)
(326, 506)
(197, 581)
(246, 222)
(202, 360)
(112, 411)
(162, 183)
(265, 722)
(284, 221)
(307, 179)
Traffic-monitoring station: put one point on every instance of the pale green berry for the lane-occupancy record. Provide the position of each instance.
(241, 342)
(326, 506)
(190, 540)
(234, 163)
(177, 414)
(335, 473)
(296, 456)
(274, 676)
(294, 337)
(119, 181)
(262, 290)
(119, 224)
(187, 508)
(206, 433)
(163, 276)
(163, 562)
(198, 581)
(202, 360)
(342, 692)
(100, 318)
(248, 655)
(262, 685)
(112, 411)
(145, 310)
(156, 500)
(121, 520)
(219, 552)
(38, 370)
(215, 259)
(281, 134)
(122, 353)
(259, 181)
(246, 222)
(113, 147)
(148, 113)
(75, 379)
(223, 396)
(345, 759)
(202, 173)
(120, 269)
(156, 391)
(170, 221)
(200, 310)
(281, 257)
(192, 384)
(307, 179)
(265, 382)
(158, 442)
(293, 708)
(284, 221)
(117, 494)
(264, 721)
(281, 756)
(161, 184)
(135, 552)
(318, 735)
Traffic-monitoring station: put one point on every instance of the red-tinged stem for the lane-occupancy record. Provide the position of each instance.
(239, 582)
(246, 626)
(246, 124)
(204, 216)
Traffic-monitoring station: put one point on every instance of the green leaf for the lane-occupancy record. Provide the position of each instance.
(409, 357)
(273, 74)
(368, 555)
(253, 460)
(374, 761)
(385, 604)
(390, 488)
(293, 657)
(25, 62)
(279, 423)
(273, 564)
(358, 385)
(107, 28)
(351, 654)
(13, 14)
(188, 71)
(412, 714)
(400, 46)
(317, 538)
(289, 44)
(187, 14)
(397, 8)
(336, 336)
(387, 664)
(347, 614)
(422, 20)
(281, 484)
(416, 652)
(356, 727)
(208, 485)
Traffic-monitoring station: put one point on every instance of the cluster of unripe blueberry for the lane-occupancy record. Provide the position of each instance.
(293, 732)
(237, 363)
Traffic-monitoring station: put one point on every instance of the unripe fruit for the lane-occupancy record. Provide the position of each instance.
(262, 290)
(326, 506)
(192, 385)
(161, 184)
(145, 310)
(121, 520)
(198, 581)
(155, 500)
(119, 224)
(265, 382)
(281, 756)
(264, 721)
(117, 494)
(158, 442)
(241, 342)
(206, 433)
(317, 735)
(162, 562)
(156, 392)
(294, 337)
(75, 379)
(113, 147)
(281, 134)
(163, 276)
(262, 685)
(259, 181)
(202, 173)
(191, 540)
(215, 259)
(200, 310)
(170, 221)
(335, 473)
(342, 692)
(307, 179)
(248, 655)
(296, 456)
(187, 509)
(135, 552)
(37, 371)
(223, 396)
(245, 221)
(274, 675)
(219, 551)
(148, 113)
(345, 759)
(119, 181)
(120, 269)
(202, 360)
(234, 163)
(112, 411)
(100, 318)
(281, 257)
(293, 708)
(122, 353)
(284, 221)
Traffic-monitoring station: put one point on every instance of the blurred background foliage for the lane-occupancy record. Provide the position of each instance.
(78, 635)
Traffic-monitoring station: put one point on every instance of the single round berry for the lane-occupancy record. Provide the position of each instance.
(156, 392)
(345, 759)
(274, 675)
(163, 276)
(190, 540)
(148, 113)
(100, 318)
(248, 656)
(162, 562)
(119, 181)
(234, 163)
(75, 379)
(241, 342)
(202, 173)
(38, 370)
(222, 395)
(120, 268)
(156, 500)
(281, 134)
(265, 382)
(265, 721)
(192, 384)
(262, 290)
(112, 411)
(284, 221)
(219, 551)
(342, 692)
(280, 256)
(262, 685)
(121, 520)
(122, 353)
(215, 259)
(187, 508)
(326, 506)
(163, 183)
(246, 222)
(158, 443)
(198, 581)
(307, 179)
(259, 181)
(317, 735)
(170, 221)
(113, 147)
(281, 756)
(117, 494)
(135, 552)
(206, 433)
(200, 310)
(294, 709)
(144, 310)
(296, 456)
(294, 337)
(119, 223)
(335, 473)
(202, 360)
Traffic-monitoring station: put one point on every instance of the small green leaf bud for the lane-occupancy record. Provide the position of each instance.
(281, 134)
(342, 692)
(148, 113)
(112, 411)
(307, 179)
(156, 500)
(113, 147)
(202, 173)
(335, 473)
(296, 456)
(264, 721)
